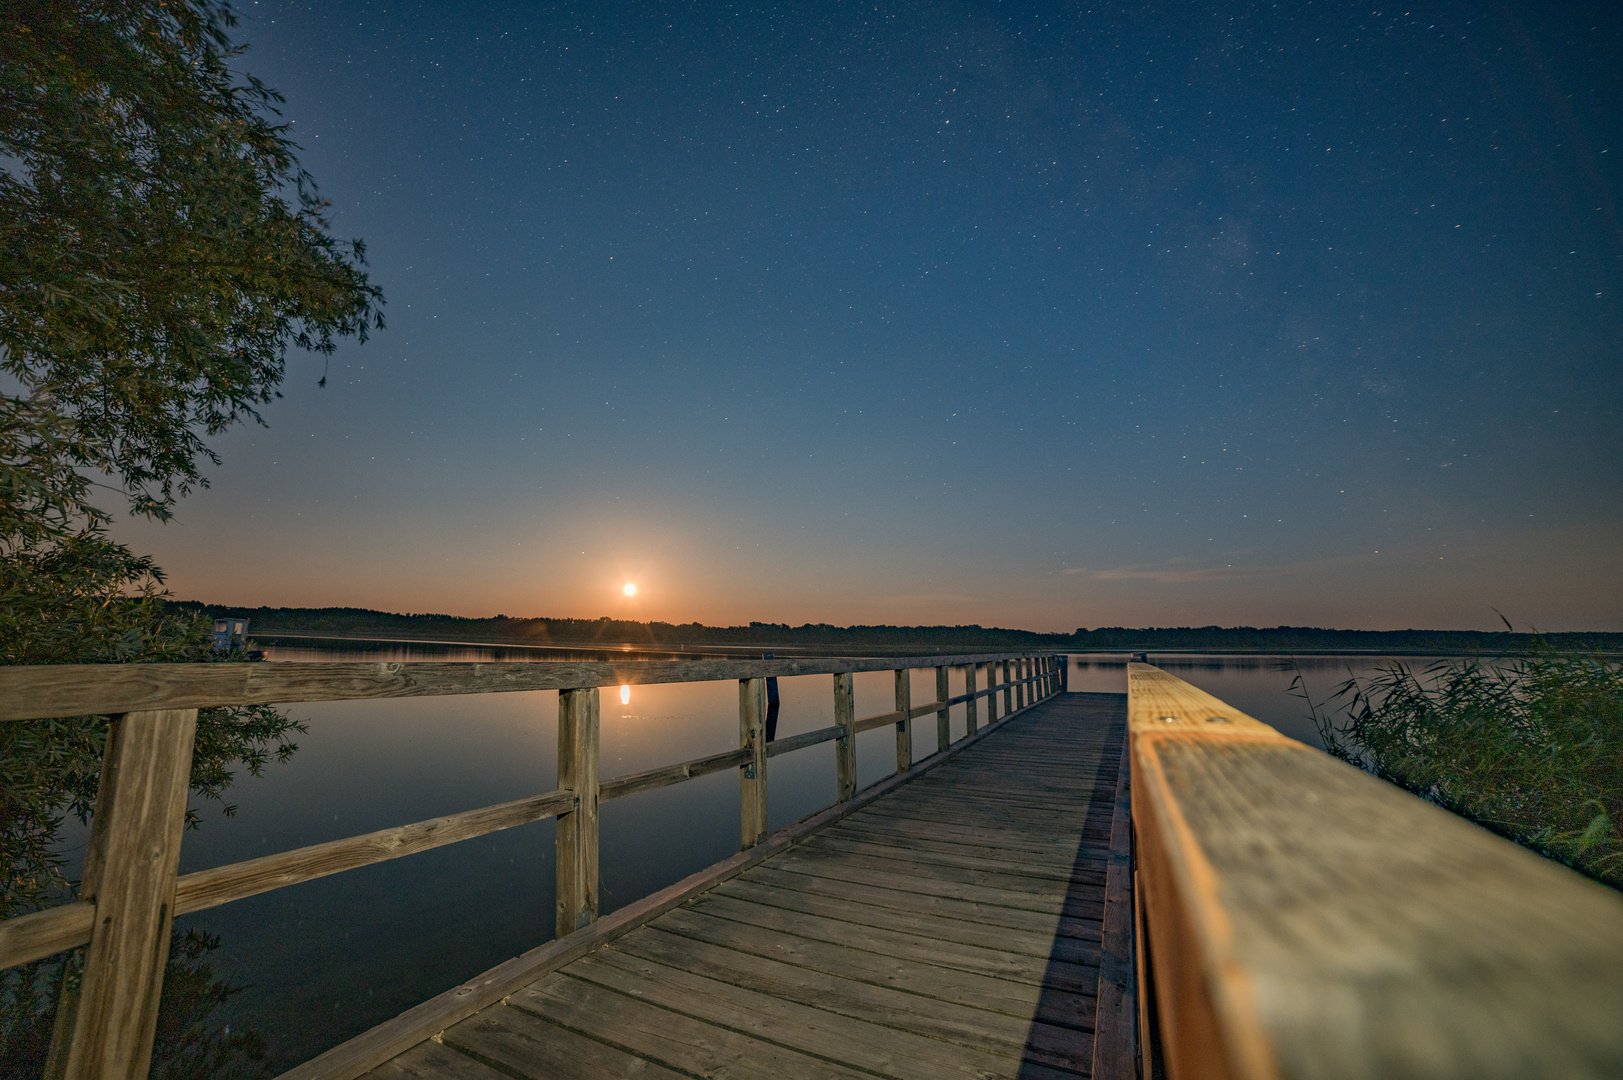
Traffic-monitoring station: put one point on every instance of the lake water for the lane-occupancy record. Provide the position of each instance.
(327, 959)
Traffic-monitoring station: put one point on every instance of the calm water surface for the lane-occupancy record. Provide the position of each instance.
(327, 959)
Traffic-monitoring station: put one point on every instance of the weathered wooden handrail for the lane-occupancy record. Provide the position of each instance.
(40, 934)
(42, 691)
(131, 893)
(1303, 918)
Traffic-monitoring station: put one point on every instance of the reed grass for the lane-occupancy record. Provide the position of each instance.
(1530, 747)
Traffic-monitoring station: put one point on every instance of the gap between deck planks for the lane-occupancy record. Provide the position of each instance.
(949, 929)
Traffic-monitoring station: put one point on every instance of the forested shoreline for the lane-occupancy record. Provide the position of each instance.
(501, 629)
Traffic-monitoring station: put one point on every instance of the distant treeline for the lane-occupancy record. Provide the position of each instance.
(363, 623)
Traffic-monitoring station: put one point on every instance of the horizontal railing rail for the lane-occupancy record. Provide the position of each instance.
(1303, 918)
(43, 691)
(131, 893)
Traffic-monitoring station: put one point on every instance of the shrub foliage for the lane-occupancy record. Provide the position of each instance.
(1530, 747)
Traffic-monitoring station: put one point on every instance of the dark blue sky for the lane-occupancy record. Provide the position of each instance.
(1024, 314)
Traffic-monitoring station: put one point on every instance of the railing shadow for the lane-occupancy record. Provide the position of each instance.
(1062, 1031)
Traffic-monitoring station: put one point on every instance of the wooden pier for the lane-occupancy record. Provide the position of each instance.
(949, 929)
(1117, 886)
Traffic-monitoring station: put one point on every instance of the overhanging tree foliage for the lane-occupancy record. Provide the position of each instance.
(161, 249)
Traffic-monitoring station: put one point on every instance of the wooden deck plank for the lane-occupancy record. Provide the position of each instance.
(944, 907)
(833, 1036)
(982, 961)
(908, 828)
(1060, 870)
(950, 929)
(929, 840)
(897, 815)
(519, 1042)
(931, 1017)
(915, 976)
(1035, 944)
(926, 877)
(432, 1061)
(1001, 856)
(835, 870)
(990, 808)
(668, 1038)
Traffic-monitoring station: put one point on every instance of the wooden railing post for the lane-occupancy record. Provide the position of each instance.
(1063, 663)
(752, 777)
(904, 727)
(1020, 683)
(576, 845)
(1008, 691)
(943, 718)
(990, 699)
(845, 747)
(130, 872)
(970, 710)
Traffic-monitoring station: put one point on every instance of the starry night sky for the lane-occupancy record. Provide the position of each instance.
(1017, 314)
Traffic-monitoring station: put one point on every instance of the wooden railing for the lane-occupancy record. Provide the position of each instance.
(1305, 919)
(131, 893)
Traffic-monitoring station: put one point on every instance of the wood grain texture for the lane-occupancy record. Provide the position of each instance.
(653, 779)
(524, 1044)
(904, 726)
(845, 751)
(1306, 919)
(868, 723)
(669, 1038)
(40, 934)
(923, 978)
(770, 1019)
(946, 1021)
(1008, 690)
(576, 837)
(221, 885)
(43, 933)
(39, 691)
(943, 722)
(971, 699)
(752, 775)
(792, 743)
(916, 711)
(1115, 1039)
(129, 875)
(434, 1061)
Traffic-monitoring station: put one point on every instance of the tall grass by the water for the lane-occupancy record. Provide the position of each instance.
(1530, 747)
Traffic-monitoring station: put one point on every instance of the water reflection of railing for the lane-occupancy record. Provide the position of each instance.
(131, 891)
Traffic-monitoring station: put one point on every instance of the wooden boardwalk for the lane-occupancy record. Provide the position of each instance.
(948, 929)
